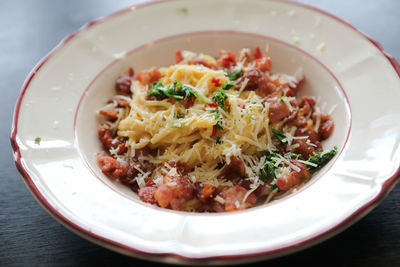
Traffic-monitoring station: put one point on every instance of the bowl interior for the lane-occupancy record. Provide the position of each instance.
(286, 58)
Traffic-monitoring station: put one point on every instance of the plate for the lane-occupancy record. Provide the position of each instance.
(60, 96)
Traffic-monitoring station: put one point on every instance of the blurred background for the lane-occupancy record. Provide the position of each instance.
(31, 237)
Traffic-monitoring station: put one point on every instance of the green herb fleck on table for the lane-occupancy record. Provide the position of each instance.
(37, 140)
(182, 10)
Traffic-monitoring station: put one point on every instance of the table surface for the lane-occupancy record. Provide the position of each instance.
(31, 237)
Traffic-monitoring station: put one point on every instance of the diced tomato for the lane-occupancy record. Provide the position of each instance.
(227, 59)
(178, 56)
(257, 53)
(216, 81)
(214, 131)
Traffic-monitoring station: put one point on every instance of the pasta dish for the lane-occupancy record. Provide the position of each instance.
(212, 134)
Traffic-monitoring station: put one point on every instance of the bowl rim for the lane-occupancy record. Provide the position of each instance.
(387, 186)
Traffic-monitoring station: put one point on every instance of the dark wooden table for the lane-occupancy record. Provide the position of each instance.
(31, 237)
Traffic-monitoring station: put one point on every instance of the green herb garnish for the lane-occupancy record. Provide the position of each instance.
(180, 116)
(227, 85)
(321, 158)
(268, 171)
(178, 126)
(233, 76)
(248, 114)
(177, 91)
(218, 140)
(219, 125)
(220, 97)
(279, 135)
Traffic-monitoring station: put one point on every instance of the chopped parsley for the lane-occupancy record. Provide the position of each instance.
(180, 116)
(268, 171)
(219, 125)
(233, 76)
(220, 97)
(227, 85)
(248, 114)
(321, 158)
(177, 91)
(218, 140)
(279, 135)
(178, 126)
(183, 10)
(37, 140)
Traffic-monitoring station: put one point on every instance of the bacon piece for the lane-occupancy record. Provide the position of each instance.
(111, 167)
(277, 110)
(297, 84)
(264, 63)
(148, 76)
(300, 121)
(193, 60)
(306, 105)
(174, 192)
(293, 178)
(131, 174)
(163, 195)
(181, 167)
(204, 192)
(226, 59)
(257, 81)
(111, 115)
(306, 149)
(110, 142)
(123, 85)
(146, 194)
(122, 103)
(293, 113)
(235, 166)
(326, 125)
(326, 129)
(234, 197)
(244, 56)
(142, 152)
(106, 137)
(289, 181)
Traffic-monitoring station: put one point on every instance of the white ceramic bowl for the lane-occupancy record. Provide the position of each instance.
(60, 97)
